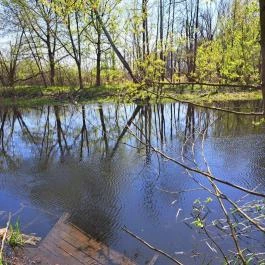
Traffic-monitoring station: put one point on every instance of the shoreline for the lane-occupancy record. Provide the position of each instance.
(37, 96)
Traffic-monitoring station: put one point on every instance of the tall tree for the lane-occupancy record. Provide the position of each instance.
(262, 43)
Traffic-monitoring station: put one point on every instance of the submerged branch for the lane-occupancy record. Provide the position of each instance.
(152, 247)
(195, 170)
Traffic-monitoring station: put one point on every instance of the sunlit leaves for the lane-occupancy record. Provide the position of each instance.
(233, 55)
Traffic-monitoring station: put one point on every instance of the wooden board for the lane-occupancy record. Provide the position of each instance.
(67, 245)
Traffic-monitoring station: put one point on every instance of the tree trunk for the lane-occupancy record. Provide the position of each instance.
(52, 72)
(116, 50)
(98, 81)
(161, 30)
(262, 43)
(52, 65)
(51, 58)
(196, 37)
(80, 78)
(144, 30)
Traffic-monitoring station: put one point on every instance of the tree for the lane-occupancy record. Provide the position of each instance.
(10, 62)
(114, 47)
(231, 57)
(154, 40)
(40, 24)
(95, 35)
(75, 26)
(262, 44)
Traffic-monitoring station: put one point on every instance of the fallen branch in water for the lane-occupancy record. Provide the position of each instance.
(178, 192)
(196, 170)
(239, 221)
(204, 106)
(152, 247)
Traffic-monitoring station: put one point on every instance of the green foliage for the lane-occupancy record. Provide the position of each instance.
(26, 68)
(233, 55)
(258, 123)
(198, 223)
(109, 75)
(16, 238)
(209, 61)
(199, 210)
(2, 261)
(208, 200)
(150, 69)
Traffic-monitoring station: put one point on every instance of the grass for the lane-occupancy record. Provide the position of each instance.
(34, 91)
(16, 238)
(221, 97)
(28, 96)
(2, 262)
(36, 96)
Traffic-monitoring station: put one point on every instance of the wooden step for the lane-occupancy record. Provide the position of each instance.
(66, 244)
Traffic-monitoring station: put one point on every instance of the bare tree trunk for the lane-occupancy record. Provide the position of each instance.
(172, 70)
(51, 51)
(114, 47)
(145, 29)
(76, 47)
(52, 69)
(161, 30)
(80, 77)
(98, 81)
(262, 43)
(146, 32)
(161, 37)
(196, 36)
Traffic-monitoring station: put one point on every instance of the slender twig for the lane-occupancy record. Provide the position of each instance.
(195, 170)
(151, 247)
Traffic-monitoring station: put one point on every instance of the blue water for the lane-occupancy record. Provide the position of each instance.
(82, 160)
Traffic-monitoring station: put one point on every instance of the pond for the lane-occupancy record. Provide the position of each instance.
(83, 160)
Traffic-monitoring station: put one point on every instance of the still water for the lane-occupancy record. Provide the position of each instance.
(84, 160)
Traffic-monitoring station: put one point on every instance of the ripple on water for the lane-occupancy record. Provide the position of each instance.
(65, 167)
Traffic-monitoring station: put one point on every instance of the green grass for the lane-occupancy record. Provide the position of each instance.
(2, 261)
(37, 91)
(28, 96)
(220, 97)
(16, 238)
(36, 96)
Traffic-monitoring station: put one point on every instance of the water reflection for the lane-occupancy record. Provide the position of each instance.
(84, 160)
(60, 131)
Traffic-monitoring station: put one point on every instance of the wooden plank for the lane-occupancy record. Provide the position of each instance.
(93, 247)
(74, 252)
(81, 245)
(48, 255)
(66, 244)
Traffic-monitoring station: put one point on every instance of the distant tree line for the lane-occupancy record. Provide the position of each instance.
(94, 42)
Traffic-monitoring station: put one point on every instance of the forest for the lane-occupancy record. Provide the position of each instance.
(84, 44)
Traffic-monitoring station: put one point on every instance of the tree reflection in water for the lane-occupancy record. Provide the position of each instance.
(85, 160)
